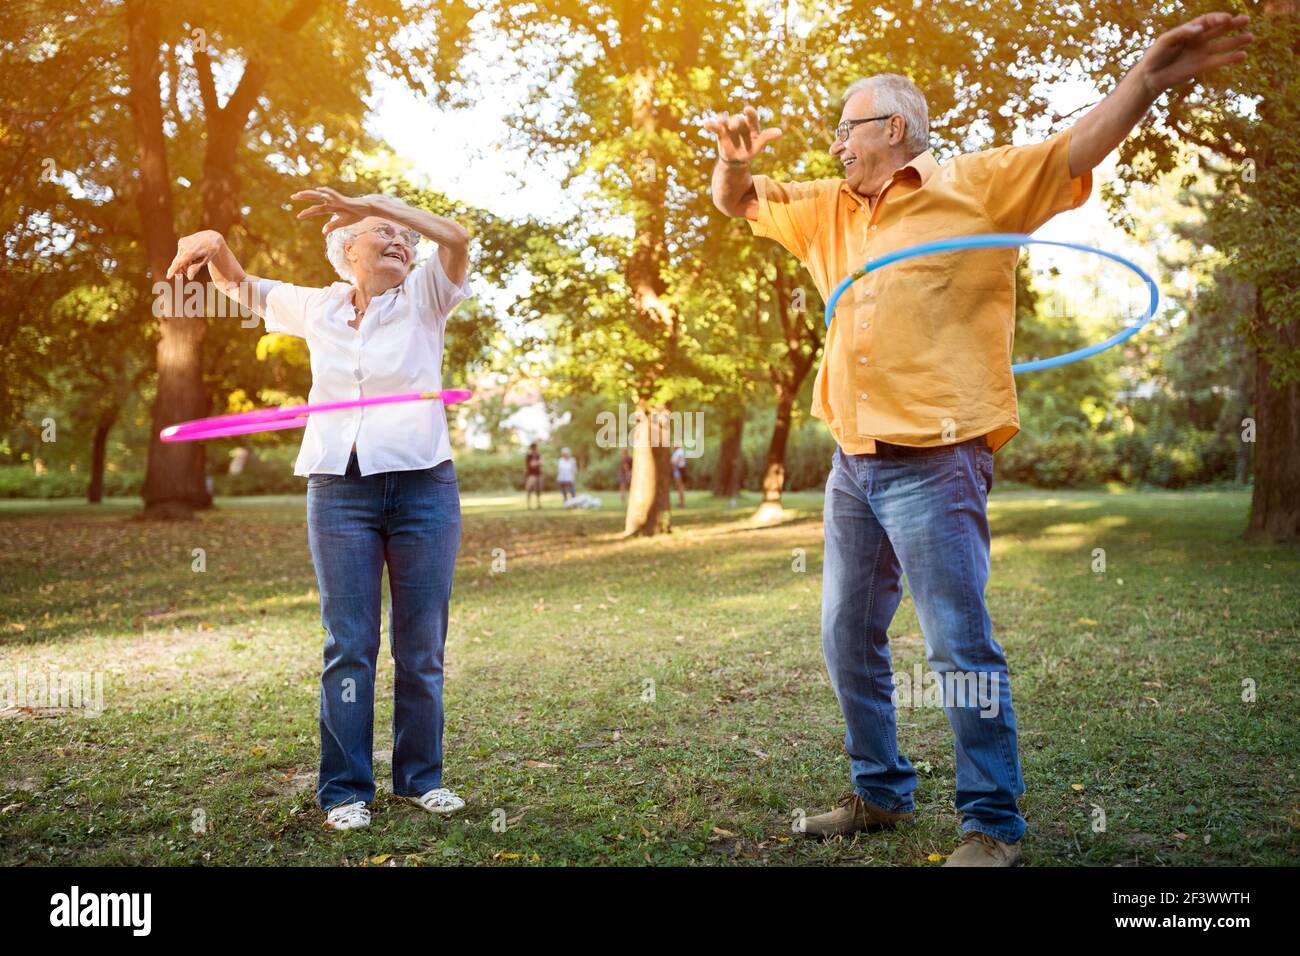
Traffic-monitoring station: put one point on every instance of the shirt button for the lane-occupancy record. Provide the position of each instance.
(873, 227)
(863, 397)
(862, 360)
(866, 325)
(356, 373)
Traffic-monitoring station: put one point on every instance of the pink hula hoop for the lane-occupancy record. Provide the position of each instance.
(274, 419)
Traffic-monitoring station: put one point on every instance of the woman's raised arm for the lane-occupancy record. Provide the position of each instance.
(209, 248)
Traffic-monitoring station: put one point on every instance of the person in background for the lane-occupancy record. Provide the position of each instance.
(533, 476)
(624, 475)
(679, 475)
(566, 473)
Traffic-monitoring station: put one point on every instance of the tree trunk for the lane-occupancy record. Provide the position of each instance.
(173, 485)
(802, 338)
(1242, 473)
(98, 452)
(1275, 503)
(648, 509)
(774, 469)
(731, 463)
(648, 496)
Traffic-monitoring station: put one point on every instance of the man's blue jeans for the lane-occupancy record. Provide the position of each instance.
(411, 521)
(919, 513)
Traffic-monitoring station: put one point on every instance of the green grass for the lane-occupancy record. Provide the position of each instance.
(1128, 689)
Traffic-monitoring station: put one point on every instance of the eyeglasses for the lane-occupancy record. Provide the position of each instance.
(842, 131)
(390, 234)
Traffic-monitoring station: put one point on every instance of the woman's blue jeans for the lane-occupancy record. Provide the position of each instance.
(409, 520)
(919, 513)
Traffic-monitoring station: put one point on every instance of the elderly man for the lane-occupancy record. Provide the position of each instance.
(916, 386)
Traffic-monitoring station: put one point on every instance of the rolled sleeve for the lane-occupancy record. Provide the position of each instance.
(791, 213)
(1022, 187)
(287, 308)
(435, 293)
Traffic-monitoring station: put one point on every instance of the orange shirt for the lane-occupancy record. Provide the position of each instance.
(919, 353)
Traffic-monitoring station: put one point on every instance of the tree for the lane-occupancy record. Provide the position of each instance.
(1248, 122)
(618, 92)
(170, 117)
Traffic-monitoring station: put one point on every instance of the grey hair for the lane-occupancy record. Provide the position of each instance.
(337, 239)
(895, 93)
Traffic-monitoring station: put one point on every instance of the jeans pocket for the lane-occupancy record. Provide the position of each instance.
(320, 481)
(444, 472)
(984, 458)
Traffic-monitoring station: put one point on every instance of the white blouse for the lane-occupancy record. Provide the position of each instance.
(396, 348)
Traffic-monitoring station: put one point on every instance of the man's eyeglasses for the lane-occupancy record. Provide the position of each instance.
(389, 234)
(842, 131)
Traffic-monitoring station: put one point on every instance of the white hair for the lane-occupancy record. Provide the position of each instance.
(895, 93)
(337, 239)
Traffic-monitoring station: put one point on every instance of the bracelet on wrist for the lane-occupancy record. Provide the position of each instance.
(736, 162)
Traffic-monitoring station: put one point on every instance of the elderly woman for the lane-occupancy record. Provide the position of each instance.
(381, 487)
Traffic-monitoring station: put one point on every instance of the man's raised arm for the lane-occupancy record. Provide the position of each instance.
(739, 141)
(1178, 55)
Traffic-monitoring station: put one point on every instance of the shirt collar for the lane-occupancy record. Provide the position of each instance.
(345, 290)
(921, 167)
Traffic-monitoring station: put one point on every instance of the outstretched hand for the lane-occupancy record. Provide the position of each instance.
(342, 210)
(1194, 49)
(194, 251)
(739, 136)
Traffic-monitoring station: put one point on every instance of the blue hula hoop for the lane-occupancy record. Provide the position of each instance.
(999, 240)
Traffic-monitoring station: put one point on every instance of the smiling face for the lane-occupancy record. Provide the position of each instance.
(872, 151)
(380, 252)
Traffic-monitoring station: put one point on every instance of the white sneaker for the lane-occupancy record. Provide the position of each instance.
(348, 816)
(441, 801)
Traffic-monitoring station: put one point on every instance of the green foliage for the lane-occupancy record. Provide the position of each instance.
(21, 481)
(1170, 457)
(616, 97)
(502, 471)
(1244, 126)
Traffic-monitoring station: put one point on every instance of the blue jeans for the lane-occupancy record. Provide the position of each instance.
(919, 513)
(411, 521)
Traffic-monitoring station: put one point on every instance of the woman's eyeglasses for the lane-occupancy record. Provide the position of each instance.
(390, 234)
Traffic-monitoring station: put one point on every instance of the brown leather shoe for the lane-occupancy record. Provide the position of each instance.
(979, 849)
(852, 815)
